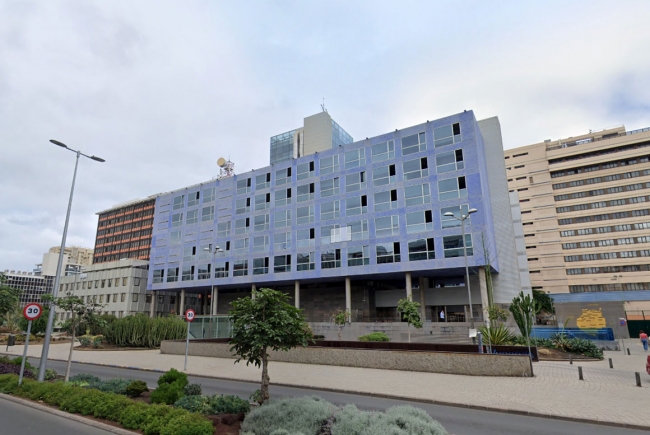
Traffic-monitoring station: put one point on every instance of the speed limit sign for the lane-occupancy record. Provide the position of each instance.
(189, 315)
(32, 311)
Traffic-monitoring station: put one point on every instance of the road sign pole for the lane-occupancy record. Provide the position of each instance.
(187, 344)
(22, 364)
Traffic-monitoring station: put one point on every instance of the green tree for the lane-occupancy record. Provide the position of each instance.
(340, 319)
(265, 321)
(9, 298)
(80, 312)
(523, 309)
(411, 313)
(544, 302)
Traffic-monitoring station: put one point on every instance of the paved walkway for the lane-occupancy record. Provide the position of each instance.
(607, 395)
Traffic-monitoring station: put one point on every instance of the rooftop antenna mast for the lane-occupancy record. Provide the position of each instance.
(226, 168)
(322, 106)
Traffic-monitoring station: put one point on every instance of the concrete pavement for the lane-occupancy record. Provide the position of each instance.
(606, 395)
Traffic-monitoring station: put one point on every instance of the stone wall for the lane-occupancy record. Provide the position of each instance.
(416, 361)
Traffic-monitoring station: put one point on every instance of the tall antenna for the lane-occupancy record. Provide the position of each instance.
(226, 168)
(322, 106)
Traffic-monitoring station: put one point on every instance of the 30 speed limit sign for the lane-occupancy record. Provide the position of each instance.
(189, 315)
(32, 311)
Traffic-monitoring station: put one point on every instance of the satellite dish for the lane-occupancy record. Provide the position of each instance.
(221, 162)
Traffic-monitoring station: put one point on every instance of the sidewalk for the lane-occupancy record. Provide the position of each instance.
(606, 395)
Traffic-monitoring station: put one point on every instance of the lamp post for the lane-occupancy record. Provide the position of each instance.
(462, 219)
(214, 252)
(55, 290)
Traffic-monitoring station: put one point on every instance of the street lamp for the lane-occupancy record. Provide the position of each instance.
(214, 252)
(55, 291)
(462, 219)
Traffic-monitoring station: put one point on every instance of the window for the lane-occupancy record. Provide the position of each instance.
(110, 281)
(101, 299)
(330, 259)
(282, 176)
(305, 170)
(263, 201)
(383, 151)
(450, 161)
(208, 194)
(355, 158)
(356, 181)
(329, 165)
(122, 297)
(189, 253)
(261, 244)
(282, 263)
(454, 245)
(305, 237)
(261, 222)
(329, 187)
(421, 249)
(172, 274)
(305, 261)
(221, 269)
(135, 297)
(387, 226)
(192, 199)
(192, 217)
(158, 276)
(207, 214)
(188, 273)
(457, 210)
(330, 210)
(358, 256)
(282, 241)
(452, 188)
(241, 246)
(419, 222)
(418, 194)
(223, 229)
(417, 168)
(115, 294)
(103, 282)
(413, 144)
(386, 200)
(240, 268)
(243, 186)
(356, 205)
(357, 230)
(388, 253)
(262, 181)
(447, 135)
(204, 271)
(177, 220)
(242, 225)
(384, 175)
(178, 202)
(282, 219)
(260, 266)
(305, 192)
(242, 205)
(305, 215)
(283, 197)
(330, 234)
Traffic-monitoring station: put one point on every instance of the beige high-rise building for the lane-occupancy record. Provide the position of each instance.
(585, 204)
(74, 257)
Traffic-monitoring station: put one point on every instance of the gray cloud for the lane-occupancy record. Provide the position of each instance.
(162, 89)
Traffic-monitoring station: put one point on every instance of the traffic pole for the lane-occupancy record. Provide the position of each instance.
(187, 345)
(22, 363)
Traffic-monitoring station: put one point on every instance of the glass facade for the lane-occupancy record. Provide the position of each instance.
(339, 136)
(282, 147)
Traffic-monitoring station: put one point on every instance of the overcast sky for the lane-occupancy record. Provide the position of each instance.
(162, 89)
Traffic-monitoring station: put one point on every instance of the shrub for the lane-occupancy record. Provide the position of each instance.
(398, 420)
(97, 341)
(167, 394)
(83, 378)
(173, 376)
(188, 425)
(192, 390)
(193, 403)
(304, 415)
(10, 368)
(111, 407)
(116, 386)
(136, 388)
(84, 341)
(19, 360)
(50, 374)
(227, 405)
(496, 335)
(143, 331)
(583, 347)
(374, 336)
(8, 383)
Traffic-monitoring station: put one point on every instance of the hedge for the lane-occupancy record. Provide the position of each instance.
(151, 419)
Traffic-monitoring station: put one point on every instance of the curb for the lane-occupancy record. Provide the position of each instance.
(389, 396)
(66, 415)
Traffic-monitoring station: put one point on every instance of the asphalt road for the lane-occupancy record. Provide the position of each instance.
(457, 421)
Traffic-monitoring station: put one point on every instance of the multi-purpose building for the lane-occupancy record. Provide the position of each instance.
(585, 204)
(353, 226)
(32, 286)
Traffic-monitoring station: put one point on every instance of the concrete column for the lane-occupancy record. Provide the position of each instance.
(485, 302)
(215, 300)
(423, 284)
(296, 297)
(181, 309)
(152, 305)
(409, 289)
(253, 289)
(348, 298)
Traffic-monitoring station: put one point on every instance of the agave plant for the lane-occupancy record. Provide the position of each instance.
(496, 335)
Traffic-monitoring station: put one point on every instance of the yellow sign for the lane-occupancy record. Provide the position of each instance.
(591, 319)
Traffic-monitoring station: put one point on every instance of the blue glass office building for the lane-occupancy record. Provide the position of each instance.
(357, 226)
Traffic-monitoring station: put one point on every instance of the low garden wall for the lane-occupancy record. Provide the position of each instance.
(458, 363)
